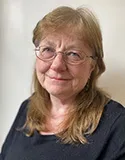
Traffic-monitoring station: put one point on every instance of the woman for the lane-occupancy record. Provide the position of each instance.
(67, 117)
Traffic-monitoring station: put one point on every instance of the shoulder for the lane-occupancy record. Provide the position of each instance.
(21, 115)
(23, 107)
(113, 122)
(115, 106)
(113, 117)
(18, 122)
(22, 112)
(114, 109)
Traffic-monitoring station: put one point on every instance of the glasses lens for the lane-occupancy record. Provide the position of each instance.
(74, 57)
(45, 53)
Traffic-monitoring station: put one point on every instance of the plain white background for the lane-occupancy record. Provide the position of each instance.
(19, 17)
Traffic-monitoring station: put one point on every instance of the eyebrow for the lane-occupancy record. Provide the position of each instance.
(68, 47)
(49, 43)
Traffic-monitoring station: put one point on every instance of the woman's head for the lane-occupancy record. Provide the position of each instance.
(63, 38)
(78, 23)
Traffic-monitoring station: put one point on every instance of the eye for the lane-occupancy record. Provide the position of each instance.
(47, 52)
(47, 49)
(73, 56)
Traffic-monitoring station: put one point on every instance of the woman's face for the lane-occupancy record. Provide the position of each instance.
(59, 78)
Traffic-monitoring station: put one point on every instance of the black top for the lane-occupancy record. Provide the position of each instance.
(106, 143)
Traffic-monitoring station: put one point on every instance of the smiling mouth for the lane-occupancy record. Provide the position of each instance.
(58, 79)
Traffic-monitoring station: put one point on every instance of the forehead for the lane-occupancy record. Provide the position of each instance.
(66, 40)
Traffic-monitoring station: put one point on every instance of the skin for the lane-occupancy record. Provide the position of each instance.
(63, 81)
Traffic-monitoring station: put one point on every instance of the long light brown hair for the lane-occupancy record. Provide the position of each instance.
(90, 102)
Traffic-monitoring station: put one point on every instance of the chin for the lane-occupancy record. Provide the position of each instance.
(57, 91)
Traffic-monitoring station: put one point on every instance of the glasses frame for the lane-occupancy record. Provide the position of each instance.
(37, 50)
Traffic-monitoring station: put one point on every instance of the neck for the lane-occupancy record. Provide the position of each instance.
(59, 111)
(60, 106)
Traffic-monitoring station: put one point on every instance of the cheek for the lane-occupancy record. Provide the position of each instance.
(84, 71)
(41, 68)
(81, 76)
(85, 74)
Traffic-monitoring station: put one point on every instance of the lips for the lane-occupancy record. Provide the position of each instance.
(58, 78)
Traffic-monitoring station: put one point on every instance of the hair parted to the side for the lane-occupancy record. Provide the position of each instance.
(90, 102)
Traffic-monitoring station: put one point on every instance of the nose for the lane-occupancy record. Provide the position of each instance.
(58, 63)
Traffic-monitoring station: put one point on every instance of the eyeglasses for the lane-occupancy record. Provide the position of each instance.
(47, 54)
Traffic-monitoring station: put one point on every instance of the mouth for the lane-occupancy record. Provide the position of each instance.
(58, 78)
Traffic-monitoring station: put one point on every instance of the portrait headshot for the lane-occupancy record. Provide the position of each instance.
(64, 73)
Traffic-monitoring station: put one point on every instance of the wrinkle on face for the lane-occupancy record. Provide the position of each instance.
(50, 74)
